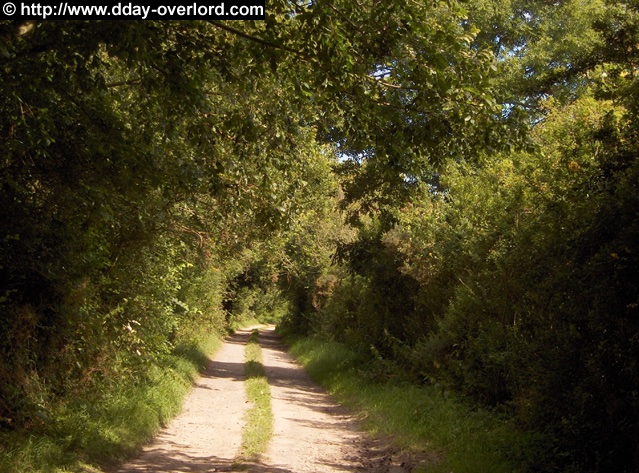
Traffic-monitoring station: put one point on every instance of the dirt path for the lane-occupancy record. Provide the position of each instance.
(312, 434)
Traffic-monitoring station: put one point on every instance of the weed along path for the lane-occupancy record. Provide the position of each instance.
(310, 432)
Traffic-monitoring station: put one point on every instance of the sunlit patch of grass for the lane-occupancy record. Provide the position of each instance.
(422, 419)
(258, 427)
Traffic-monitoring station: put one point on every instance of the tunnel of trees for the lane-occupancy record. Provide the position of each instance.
(451, 187)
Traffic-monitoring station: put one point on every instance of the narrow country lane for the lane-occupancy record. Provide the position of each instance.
(312, 434)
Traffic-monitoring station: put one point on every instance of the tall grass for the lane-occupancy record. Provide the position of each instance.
(462, 437)
(107, 425)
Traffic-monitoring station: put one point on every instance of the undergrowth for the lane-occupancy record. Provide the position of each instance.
(102, 427)
(434, 424)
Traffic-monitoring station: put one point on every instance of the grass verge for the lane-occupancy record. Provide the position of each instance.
(108, 424)
(258, 427)
(454, 435)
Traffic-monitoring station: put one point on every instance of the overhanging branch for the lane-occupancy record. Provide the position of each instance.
(255, 39)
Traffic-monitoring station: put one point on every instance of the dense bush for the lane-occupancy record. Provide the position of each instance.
(516, 286)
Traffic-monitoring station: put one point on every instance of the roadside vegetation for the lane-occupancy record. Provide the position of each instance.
(437, 427)
(100, 428)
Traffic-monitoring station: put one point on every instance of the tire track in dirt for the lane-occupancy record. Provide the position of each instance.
(206, 436)
(312, 433)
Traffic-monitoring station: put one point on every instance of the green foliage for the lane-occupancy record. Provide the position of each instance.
(146, 165)
(161, 181)
(111, 422)
(513, 286)
(139, 161)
